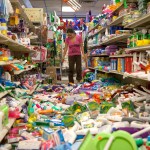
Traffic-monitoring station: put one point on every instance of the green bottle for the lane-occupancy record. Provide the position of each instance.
(117, 1)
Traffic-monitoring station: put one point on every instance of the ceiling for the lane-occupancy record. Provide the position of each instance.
(51, 5)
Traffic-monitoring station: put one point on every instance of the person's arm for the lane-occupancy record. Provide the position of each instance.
(82, 50)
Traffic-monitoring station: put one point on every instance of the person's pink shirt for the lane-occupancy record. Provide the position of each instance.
(74, 46)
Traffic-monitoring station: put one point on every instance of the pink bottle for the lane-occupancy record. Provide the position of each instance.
(15, 114)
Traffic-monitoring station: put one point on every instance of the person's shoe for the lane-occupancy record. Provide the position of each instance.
(70, 84)
(79, 81)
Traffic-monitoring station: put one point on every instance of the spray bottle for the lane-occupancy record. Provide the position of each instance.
(147, 69)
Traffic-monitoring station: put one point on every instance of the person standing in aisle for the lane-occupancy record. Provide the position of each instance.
(74, 46)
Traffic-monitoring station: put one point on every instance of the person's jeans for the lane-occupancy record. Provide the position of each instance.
(72, 61)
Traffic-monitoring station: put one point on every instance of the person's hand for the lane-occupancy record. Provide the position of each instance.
(84, 58)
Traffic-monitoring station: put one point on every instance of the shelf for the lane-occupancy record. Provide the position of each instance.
(140, 48)
(118, 8)
(100, 31)
(34, 88)
(94, 28)
(120, 73)
(117, 21)
(95, 46)
(112, 56)
(115, 39)
(16, 4)
(91, 68)
(2, 94)
(11, 121)
(98, 70)
(103, 71)
(13, 45)
(120, 56)
(3, 63)
(128, 75)
(135, 77)
(116, 72)
(99, 55)
(140, 22)
(21, 71)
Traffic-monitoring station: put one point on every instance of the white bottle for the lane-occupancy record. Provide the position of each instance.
(69, 136)
(84, 131)
(140, 125)
(75, 127)
(121, 124)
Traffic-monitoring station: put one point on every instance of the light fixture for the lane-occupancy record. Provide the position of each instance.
(73, 4)
(67, 9)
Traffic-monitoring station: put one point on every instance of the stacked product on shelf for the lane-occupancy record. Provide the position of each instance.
(141, 38)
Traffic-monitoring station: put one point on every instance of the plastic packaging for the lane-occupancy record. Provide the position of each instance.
(15, 114)
(85, 131)
(69, 136)
(4, 109)
(1, 120)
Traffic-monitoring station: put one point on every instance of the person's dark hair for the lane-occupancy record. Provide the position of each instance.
(70, 30)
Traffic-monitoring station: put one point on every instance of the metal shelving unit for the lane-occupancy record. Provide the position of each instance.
(21, 71)
(15, 46)
(116, 39)
(140, 22)
(16, 4)
(117, 21)
(99, 55)
(140, 48)
(121, 56)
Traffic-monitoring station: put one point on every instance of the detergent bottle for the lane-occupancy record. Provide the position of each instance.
(147, 69)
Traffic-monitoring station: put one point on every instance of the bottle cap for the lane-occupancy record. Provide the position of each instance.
(139, 142)
(148, 138)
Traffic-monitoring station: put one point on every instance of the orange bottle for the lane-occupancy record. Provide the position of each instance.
(48, 111)
(14, 67)
(147, 69)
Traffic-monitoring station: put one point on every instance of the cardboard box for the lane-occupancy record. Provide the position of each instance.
(54, 73)
(50, 70)
(35, 14)
(54, 78)
(51, 80)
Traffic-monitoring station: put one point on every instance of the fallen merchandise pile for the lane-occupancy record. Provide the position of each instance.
(64, 117)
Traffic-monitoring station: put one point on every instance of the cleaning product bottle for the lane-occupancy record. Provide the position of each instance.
(4, 26)
(49, 111)
(4, 109)
(1, 120)
(15, 114)
(117, 1)
(147, 69)
(148, 143)
(48, 124)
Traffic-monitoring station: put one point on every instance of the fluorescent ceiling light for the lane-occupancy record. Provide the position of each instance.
(67, 9)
